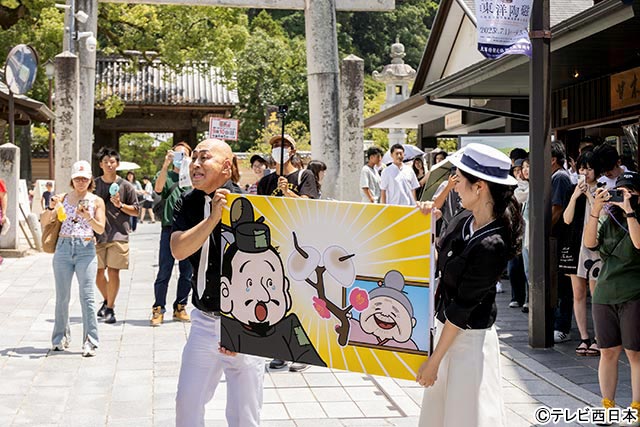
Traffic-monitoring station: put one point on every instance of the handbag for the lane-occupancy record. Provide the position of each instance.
(50, 233)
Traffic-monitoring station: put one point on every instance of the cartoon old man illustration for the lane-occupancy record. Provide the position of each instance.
(255, 294)
(388, 320)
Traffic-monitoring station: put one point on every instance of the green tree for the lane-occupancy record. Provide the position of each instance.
(178, 34)
(271, 71)
(370, 35)
(141, 148)
(374, 96)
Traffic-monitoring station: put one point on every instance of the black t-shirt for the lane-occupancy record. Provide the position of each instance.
(47, 198)
(118, 226)
(302, 185)
(189, 212)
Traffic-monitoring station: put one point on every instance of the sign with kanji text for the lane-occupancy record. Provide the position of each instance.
(503, 27)
(625, 90)
(223, 129)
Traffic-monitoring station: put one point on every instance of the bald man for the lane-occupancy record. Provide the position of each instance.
(196, 236)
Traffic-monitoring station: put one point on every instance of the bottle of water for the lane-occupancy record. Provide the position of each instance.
(62, 214)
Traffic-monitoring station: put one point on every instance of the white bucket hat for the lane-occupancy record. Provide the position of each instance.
(81, 168)
(484, 162)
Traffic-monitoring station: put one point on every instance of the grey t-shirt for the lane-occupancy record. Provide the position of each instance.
(117, 227)
(370, 179)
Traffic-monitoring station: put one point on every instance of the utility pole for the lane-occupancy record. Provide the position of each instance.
(541, 277)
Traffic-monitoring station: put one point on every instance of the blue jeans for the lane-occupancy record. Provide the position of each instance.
(165, 268)
(74, 255)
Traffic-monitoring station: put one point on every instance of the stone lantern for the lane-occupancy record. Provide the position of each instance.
(396, 76)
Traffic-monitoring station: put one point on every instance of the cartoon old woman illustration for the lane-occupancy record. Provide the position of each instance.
(388, 320)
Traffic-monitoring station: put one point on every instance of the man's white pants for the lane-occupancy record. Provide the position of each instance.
(200, 373)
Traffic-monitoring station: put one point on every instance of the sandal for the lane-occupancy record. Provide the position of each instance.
(593, 349)
(583, 347)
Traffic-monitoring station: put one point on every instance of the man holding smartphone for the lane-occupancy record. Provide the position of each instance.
(167, 186)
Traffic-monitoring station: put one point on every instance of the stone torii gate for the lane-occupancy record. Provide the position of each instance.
(322, 65)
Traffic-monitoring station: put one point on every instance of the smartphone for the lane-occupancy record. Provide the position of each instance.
(84, 203)
(581, 179)
(177, 156)
(616, 196)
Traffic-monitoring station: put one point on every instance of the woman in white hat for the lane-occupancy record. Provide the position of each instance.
(462, 376)
(82, 213)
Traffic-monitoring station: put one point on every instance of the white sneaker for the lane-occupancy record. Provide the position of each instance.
(514, 304)
(88, 349)
(499, 288)
(559, 336)
(62, 346)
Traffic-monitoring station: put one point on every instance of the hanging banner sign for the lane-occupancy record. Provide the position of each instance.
(503, 27)
(223, 128)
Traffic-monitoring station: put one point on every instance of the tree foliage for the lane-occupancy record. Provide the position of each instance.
(264, 51)
(271, 71)
(179, 34)
(141, 148)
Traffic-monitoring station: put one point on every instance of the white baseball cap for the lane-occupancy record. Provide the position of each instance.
(81, 168)
(484, 162)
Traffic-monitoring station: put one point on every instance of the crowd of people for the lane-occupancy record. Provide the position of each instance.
(482, 208)
(595, 228)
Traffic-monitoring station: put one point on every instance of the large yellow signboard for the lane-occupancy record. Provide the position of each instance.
(337, 284)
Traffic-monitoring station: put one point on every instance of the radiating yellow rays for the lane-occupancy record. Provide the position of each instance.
(382, 237)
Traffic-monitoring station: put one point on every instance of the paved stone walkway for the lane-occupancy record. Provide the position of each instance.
(132, 380)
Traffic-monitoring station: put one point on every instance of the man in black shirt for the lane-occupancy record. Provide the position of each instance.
(196, 235)
(294, 182)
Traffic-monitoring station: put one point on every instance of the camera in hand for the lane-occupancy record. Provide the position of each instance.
(616, 196)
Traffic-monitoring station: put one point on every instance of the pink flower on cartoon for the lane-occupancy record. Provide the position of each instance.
(321, 307)
(359, 299)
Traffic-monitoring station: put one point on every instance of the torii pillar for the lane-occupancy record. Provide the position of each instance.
(322, 68)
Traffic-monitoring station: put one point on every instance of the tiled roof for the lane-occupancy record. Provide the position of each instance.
(154, 83)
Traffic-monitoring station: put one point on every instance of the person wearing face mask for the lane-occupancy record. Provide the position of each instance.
(168, 188)
(294, 182)
(616, 298)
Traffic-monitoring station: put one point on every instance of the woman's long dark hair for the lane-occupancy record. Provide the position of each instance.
(415, 169)
(506, 210)
(317, 166)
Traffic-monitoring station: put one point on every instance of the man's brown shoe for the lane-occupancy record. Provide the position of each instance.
(180, 314)
(157, 316)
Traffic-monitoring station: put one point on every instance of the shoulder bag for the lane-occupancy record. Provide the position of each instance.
(50, 232)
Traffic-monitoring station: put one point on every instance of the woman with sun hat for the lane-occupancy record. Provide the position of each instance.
(462, 375)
